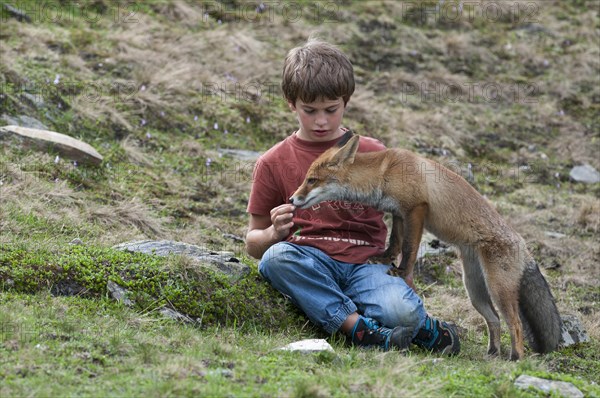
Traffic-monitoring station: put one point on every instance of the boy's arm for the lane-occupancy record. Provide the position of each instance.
(265, 231)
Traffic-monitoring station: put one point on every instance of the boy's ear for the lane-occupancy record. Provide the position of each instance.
(346, 153)
(292, 106)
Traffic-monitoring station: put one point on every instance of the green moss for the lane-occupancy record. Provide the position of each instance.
(199, 292)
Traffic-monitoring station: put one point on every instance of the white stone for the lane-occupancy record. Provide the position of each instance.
(308, 346)
(65, 145)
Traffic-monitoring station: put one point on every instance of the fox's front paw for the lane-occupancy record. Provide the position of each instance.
(395, 271)
(383, 259)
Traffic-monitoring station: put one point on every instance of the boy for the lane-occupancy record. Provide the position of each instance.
(319, 256)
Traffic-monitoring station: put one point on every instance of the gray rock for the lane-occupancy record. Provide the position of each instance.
(233, 237)
(563, 388)
(45, 140)
(175, 315)
(36, 101)
(430, 245)
(586, 174)
(16, 13)
(119, 293)
(219, 261)
(572, 331)
(241, 154)
(24, 121)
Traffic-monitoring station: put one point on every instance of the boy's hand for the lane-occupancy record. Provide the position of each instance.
(281, 218)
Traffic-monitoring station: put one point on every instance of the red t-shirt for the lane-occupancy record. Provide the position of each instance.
(349, 232)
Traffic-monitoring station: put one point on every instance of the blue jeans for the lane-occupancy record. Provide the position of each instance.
(328, 290)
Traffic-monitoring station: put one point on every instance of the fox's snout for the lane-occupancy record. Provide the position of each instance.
(295, 200)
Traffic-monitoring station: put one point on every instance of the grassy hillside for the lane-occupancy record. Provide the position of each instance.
(506, 92)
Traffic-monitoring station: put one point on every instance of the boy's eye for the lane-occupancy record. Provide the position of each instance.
(331, 110)
(311, 181)
(309, 111)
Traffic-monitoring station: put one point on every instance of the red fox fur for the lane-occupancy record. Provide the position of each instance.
(421, 193)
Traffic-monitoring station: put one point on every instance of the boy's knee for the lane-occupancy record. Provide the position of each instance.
(409, 314)
(276, 258)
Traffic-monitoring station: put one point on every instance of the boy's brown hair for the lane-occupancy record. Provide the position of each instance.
(317, 70)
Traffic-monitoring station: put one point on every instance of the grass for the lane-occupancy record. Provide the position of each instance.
(98, 347)
(162, 96)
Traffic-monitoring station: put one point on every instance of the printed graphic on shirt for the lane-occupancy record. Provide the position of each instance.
(329, 230)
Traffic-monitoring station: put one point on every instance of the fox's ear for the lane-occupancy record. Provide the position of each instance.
(347, 152)
(344, 139)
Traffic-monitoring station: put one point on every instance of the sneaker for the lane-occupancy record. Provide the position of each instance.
(438, 336)
(369, 333)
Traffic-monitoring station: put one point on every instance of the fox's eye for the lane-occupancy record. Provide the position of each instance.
(311, 181)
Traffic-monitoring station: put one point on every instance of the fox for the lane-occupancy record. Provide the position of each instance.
(498, 270)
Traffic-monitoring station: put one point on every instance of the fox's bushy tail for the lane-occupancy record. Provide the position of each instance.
(539, 315)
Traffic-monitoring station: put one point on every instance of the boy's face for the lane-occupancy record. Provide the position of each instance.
(319, 120)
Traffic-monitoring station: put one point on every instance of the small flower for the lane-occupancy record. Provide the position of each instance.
(247, 119)
(208, 162)
(546, 62)
(143, 122)
(57, 79)
(57, 159)
(225, 131)
(196, 118)
(143, 88)
(74, 163)
(216, 126)
(162, 113)
(561, 113)
(148, 135)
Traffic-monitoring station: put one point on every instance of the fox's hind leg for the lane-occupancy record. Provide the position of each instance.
(475, 284)
(503, 275)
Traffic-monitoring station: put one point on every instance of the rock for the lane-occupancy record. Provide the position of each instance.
(67, 287)
(572, 331)
(76, 242)
(308, 346)
(35, 100)
(219, 261)
(24, 121)
(241, 154)
(119, 293)
(563, 388)
(45, 140)
(586, 174)
(233, 237)
(16, 13)
(175, 315)
(554, 235)
(430, 245)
